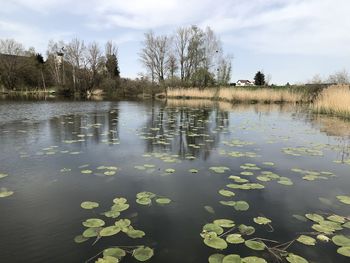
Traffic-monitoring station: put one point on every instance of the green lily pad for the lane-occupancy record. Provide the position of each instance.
(194, 171)
(336, 218)
(213, 228)
(253, 260)
(133, 233)
(91, 232)
(235, 239)
(246, 230)
(255, 245)
(163, 201)
(344, 199)
(5, 193)
(262, 220)
(224, 223)
(209, 209)
(219, 169)
(306, 240)
(80, 239)
(144, 201)
(232, 258)
(215, 242)
(143, 253)
(226, 193)
(120, 207)
(241, 206)
(109, 231)
(89, 205)
(314, 217)
(145, 194)
(114, 252)
(107, 259)
(93, 222)
(292, 258)
(123, 224)
(3, 175)
(120, 200)
(216, 258)
(341, 240)
(112, 214)
(345, 251)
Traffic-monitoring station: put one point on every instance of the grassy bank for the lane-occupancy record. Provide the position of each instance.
(333, 100)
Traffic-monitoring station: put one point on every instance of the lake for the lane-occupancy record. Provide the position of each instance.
(274, 172)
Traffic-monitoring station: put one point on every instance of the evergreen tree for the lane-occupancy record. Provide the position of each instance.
(259, 79)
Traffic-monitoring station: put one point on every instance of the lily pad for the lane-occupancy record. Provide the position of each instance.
(216, 258)
(345, 251)
(292, 258)
(262, 220)
(109, 231)
(80, 239)
(253, 260)
(213, 228)
(215, 242)
(93, 222)
(224, 223)
(114, 252)
(163, 201)
(235, 239)
(241, 206)
(246, 230)
(306, 240)
(5, 193)
(89, 205)
(143, 253)
(341, 240)
(255, 245)
(344, 199)
(91, 232)
(232, 258)
(226, 193)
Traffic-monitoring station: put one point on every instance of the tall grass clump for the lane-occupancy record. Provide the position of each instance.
(334, 100)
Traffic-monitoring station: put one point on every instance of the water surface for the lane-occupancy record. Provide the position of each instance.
(45, 146)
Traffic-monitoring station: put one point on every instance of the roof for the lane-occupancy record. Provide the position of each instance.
(244, 81)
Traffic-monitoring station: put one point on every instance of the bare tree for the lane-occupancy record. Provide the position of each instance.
(55, 61)
(94, 63)
(182, 39)
(154, 55)
(11, 62)
(75, 55)
(340, 77)
(224, 70)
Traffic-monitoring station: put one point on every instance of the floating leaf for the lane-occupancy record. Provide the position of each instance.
(344, 199)
(224, 222)
(314, 217)
(107, 259)
(120, 207)
(253, 260)
(336, 218)
(226, 193)
(163, 201)
(232, 258)
(86, 172)
(234, 239)
(255, 245)
(80, 239)
(300, 218)
(213, 228)
(133, 233)
(5, 193)
(219, 169)
(306, 240)
(322, 238)
(193, 171)
(93, 222)
(89, 205)
(114, 252)
(215, 242)
(341, 240)
(2, 175)
(345, 251)
(109, 231)
(91, 232)
(144, 201)
(246, 230)
(241, 206)
(216, 258)
(143, 253)
(292, 258)
(262, 220)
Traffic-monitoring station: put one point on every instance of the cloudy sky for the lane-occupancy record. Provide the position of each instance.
(291, 40)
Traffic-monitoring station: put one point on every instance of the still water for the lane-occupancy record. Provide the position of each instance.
(58, 154)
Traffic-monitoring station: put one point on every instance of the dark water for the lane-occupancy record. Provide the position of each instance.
(39, 221)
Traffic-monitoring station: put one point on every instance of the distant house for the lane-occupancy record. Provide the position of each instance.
(244, 82)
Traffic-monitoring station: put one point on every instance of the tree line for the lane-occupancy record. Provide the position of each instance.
(190, 56)
(73, 67)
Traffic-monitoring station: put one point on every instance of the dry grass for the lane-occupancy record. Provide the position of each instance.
(334, 100)
(238, 94)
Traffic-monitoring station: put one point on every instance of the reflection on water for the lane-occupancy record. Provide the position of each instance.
(46, 145)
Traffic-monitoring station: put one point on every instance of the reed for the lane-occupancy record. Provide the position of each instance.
(334, 100)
